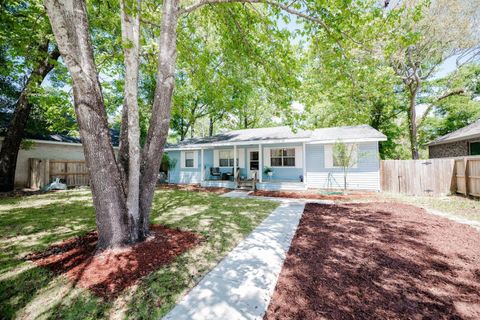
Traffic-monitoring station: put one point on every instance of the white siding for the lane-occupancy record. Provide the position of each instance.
(365, 176)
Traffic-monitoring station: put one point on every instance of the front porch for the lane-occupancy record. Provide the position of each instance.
(273, 185)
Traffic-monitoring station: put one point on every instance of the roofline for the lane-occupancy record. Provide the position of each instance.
(475, 135)
(250, 142)
(60, 143)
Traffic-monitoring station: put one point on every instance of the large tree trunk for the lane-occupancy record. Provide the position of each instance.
(131, 39)
(160, 120)
(412, 121)
(14, 135)
(211, 124)
(70, 27)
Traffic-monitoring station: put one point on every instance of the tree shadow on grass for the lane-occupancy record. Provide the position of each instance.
(375, 261)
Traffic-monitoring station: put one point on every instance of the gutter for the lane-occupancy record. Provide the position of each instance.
(264, 142)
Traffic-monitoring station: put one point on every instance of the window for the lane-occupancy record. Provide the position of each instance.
(225, 158)
(474, 148)
(344, 155)
(282, 157)
(189, 156)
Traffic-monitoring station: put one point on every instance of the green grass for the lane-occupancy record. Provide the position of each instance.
(32, 223)
(454, 205)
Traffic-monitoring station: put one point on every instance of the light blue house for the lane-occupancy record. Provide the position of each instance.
(299, 160)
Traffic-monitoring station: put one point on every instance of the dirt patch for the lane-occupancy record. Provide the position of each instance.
(193, 187)
(316, 195)
(110, 272)
(378, 261)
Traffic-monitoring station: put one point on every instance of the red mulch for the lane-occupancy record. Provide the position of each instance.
(378, 261)
(108, 273)
(193, 187)
(315, 195)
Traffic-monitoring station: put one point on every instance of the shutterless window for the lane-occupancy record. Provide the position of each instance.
(189, 155)
(474, 148)
(225, 158)
(284, 157)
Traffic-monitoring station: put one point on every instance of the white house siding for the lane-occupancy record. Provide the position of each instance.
(44, 150)
(364, 177)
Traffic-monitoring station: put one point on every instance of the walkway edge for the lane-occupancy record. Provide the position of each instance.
(241, 285)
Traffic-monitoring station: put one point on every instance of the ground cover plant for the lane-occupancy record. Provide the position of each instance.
(378, 260)
(33, 223)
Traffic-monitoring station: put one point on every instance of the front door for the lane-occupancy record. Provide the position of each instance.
(253, 163)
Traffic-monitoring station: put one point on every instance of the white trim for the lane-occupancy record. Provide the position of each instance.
(469, 137)
(249, 172)
(260, 163)
(304, 153)
(250, 142)
(202, 170)
(60, 143)
(235, 156)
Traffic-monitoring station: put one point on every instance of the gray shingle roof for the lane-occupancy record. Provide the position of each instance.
(470, 131)
(285, 133)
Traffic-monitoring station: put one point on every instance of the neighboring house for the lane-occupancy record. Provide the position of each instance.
(50, 147)
(459, 143)
(299, 160)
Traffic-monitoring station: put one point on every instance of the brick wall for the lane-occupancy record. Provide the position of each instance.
(446, 150)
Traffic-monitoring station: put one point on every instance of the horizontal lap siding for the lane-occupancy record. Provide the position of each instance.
(365, 176)
(184, 175)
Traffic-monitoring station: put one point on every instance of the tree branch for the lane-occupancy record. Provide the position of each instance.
(286, 8)
(442, 97)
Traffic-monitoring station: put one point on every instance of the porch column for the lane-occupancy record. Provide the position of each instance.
(202, 169)
(234, 162)
(304, 152)
(260, 163)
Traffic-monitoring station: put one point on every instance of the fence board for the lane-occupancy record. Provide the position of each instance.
(418, 177)
(71, 172)
(432, 177)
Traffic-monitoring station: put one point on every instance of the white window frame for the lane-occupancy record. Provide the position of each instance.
(187, 158)
(282, 157)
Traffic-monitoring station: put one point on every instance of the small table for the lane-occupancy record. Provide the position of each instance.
(226, 175)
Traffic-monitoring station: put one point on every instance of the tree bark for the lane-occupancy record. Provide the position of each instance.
(412, 120)
(70, 27)
(130, 16)
(14, 135)
(210, 126)
(160, 120)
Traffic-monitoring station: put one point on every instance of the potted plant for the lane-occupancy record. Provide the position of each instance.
(268, 171)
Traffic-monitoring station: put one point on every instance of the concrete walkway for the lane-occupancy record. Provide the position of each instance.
(241, 285)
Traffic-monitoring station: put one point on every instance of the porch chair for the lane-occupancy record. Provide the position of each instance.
(215, 172)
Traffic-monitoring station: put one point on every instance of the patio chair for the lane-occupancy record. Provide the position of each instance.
(215, 172)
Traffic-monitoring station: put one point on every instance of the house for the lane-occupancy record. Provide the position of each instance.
(299, 160)
(50, 147)
(462, 142)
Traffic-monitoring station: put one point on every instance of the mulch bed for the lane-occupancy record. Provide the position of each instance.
(316, 195)
(193, 187)
(109, 272)
(378, 261)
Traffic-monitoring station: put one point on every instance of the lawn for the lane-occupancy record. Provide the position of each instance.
(32, 223)
(456, 205)
(378, 261)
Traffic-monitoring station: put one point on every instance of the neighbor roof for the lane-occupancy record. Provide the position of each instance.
(281, 134)
(468, 132)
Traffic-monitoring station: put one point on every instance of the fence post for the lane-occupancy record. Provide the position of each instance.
(465, 175)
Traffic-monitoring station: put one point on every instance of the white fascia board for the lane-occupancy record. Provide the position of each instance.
(231, 144)
(469, 137)
(331, 141)
(58, 143)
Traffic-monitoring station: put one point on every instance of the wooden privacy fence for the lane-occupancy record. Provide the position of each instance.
(418, 177)
(467, 176)
(432, 177)
(71, 172)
